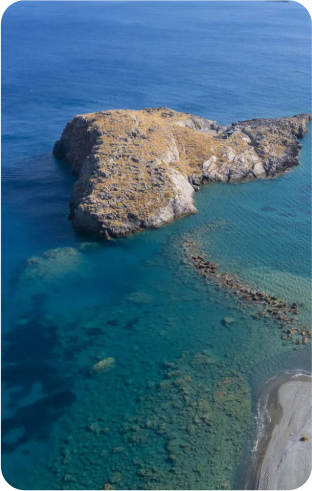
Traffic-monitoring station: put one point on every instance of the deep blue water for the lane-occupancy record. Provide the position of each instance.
(134, 299)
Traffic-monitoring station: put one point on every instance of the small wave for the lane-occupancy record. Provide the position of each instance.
(262, 420)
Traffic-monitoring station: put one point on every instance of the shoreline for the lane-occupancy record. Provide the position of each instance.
(283, 416)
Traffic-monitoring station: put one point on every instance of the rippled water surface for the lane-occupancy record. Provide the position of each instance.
(174, 410)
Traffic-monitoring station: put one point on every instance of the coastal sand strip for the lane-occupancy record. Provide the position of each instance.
(287, 461)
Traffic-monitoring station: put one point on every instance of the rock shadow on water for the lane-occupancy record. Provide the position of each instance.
(28, 360)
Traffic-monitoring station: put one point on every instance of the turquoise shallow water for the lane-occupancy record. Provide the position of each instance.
(177, 407)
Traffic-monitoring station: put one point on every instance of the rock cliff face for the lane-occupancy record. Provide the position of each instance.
(139, 169)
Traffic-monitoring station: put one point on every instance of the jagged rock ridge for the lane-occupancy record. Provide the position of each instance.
(139, 169)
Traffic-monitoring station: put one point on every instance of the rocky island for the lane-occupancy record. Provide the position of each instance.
(139, 169)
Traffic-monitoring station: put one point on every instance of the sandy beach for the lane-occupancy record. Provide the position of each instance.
(284, 455)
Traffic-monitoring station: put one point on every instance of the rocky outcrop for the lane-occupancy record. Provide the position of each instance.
(139, 169)
(276, 140)
(260, 304)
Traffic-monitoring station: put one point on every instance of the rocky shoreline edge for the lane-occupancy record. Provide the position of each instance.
(281, 458)
(139, 169)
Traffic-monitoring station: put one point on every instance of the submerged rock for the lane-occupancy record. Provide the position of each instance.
(139, 297)
(105, 364)
(88, 246)
(47, 270)
(228, 321)
(139, 169)
(53, 263)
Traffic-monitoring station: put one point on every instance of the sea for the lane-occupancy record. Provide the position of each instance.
(175, 407)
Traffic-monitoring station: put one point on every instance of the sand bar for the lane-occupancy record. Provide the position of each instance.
(285, 459)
